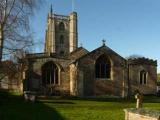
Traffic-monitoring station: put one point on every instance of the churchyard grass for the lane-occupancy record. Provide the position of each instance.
(13, 107)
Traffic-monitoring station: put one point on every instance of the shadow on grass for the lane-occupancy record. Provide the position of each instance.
(58, 102)
(131, 99)
(13, 107)
(102, 99)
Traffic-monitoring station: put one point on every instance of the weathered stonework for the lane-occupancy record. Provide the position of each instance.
(61, 33)
(141, 114)
(98, 86)
(75, 72)
(35, 74)
(135, 66)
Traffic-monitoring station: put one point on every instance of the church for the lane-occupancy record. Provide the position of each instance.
(64, 69)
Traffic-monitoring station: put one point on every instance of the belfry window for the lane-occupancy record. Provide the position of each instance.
(61, 26)
(50, 73)
(143, 77)
(103, 67)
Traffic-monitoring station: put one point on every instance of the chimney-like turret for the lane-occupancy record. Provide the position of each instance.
(73, 31)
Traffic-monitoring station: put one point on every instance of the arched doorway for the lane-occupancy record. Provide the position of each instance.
(50, 74)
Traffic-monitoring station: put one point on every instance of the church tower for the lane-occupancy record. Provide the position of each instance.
(61, 34)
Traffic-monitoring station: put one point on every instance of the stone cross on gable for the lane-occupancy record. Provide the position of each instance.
(104, 42)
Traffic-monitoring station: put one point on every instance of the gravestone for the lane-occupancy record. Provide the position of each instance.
(139, 98)
(30, 96)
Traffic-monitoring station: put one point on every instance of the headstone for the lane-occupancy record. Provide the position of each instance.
(32, 98)
(139, 98)
(26, 97)
(29, 96)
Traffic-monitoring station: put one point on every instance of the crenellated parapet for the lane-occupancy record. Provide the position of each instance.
(141, 61)
(61, 33)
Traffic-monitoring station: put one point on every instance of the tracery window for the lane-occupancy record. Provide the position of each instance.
(50, 73)
(103, 67)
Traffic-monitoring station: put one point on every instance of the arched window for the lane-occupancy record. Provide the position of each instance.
(49, 73)
(61, 26)
(143, 77)
(103, 67)
(61, 39)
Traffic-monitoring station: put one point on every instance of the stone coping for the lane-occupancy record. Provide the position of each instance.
(144, 111)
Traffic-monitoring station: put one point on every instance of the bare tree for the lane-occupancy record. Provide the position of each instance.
(14, 25)
(12, 71)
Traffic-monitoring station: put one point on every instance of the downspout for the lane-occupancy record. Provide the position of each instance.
(128, 80)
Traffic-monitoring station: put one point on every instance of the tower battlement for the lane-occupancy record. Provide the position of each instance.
(142, 60)
(61, 33)
(61, 16)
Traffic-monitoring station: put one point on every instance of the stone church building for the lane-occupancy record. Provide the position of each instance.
(66, 69)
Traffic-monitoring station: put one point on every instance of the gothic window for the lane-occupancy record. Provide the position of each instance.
(49, 73)
(103, 67)
(61, 39)
(61, 26)
(143, 77)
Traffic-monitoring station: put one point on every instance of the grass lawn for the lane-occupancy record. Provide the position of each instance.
(13, 107)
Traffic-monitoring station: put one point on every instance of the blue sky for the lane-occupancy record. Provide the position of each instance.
(128, 26)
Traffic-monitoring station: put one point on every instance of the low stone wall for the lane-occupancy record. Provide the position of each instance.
(141, 114)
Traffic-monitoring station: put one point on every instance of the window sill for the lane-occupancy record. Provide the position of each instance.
(104, 79)
(52, 85)
(143, 84)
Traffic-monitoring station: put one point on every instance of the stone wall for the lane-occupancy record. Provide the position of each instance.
(77, 74)
(35, 75)
(11, 84)
(135, 66)
(141, 114)
(10, 76)
(116, 85)
(73, 80)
